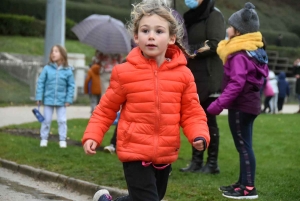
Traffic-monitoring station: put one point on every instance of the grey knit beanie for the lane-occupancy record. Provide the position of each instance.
(245, 20)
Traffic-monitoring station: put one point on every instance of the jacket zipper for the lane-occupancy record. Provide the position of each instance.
(56, 86)
(156, 130)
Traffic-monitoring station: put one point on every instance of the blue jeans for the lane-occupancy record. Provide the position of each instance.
(241, 126)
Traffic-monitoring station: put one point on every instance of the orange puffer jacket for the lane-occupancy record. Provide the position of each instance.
(155, 103)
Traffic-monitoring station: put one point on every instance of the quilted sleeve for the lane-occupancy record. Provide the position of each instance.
(105, 112)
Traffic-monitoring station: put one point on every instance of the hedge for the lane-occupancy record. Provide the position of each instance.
(289, 39)
(28, 26)
(75, 11)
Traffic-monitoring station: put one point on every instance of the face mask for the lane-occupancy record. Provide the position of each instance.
(191, 3)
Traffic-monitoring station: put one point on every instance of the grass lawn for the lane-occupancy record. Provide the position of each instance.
(276, 145)
(35, 46)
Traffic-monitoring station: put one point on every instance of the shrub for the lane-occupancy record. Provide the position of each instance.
(289, 39)
(28, 26)
(21, 25)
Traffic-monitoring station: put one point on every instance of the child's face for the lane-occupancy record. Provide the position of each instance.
(231, 32)
(153, 36)
(55, 55)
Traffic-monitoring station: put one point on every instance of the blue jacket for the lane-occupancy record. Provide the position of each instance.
(55, 85)
(283, 86)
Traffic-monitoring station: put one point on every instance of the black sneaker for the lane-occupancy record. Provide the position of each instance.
(229, 188)
(241, 193)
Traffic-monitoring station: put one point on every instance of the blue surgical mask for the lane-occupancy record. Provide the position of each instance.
(191, 3)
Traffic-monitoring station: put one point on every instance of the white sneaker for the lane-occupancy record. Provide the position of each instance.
(62, 144)
(110, 148)
(102, 195)
(43, 143)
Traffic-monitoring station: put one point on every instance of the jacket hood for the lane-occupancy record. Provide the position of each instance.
(271, 75)
(281, 75)
(177, 58)
(54, 65)
(261, 69)
(96, 69)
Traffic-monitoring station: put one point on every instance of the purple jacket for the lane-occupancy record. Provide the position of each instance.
(242, 80)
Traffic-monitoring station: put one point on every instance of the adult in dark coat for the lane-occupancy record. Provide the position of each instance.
(297, 76)
(206, 28)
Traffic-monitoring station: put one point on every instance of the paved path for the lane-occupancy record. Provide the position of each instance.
(23, 114)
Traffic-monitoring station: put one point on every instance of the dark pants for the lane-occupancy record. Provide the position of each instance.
(144, 183)
(113, 139)
(241, 126)
(280, 103)
(266, 104)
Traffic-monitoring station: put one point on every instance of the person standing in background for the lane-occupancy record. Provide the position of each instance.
(92, 82)
(205, 28)
(107, 62)
(297, 76)
(55, 88)
(284, 90)
(274, 85)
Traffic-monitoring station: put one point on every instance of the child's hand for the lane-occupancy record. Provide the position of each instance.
(90, 147)
(199, 145)
(67, 104)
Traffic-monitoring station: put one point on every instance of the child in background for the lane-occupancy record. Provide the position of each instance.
(92, 80)
(273, 83)
(55, 88)
(158, 95)
(284, 90)
(245, 66)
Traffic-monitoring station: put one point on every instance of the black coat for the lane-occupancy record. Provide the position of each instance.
(297, 72)
(206, 67)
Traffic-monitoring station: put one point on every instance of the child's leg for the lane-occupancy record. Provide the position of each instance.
(272, 104)
(275, 102)
(280, 103)
(94, 101)
(46, 124)
(62, 122)
(145, 183)
(241, 126)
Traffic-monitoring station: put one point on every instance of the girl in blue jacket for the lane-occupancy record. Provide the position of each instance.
(55, 87)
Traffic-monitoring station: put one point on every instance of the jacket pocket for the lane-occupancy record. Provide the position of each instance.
(128, 133)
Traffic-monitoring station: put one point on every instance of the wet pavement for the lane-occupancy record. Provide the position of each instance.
(15, 186)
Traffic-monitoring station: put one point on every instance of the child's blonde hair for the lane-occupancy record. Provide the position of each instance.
(63, 53)
(162, 9)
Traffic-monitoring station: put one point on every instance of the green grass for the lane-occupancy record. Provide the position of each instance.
(35, 46)
(16, 92)
(275, 143)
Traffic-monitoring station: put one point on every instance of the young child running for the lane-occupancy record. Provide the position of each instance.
(55, 87)
(245, 66)
(158, 94)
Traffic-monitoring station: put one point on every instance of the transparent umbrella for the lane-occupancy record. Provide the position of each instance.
(104, 33)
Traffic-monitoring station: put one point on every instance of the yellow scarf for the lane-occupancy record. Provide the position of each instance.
(249, 41)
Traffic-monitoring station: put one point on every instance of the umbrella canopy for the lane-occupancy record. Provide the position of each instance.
(104, 33)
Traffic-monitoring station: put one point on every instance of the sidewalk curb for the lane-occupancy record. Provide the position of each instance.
(77, 185)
